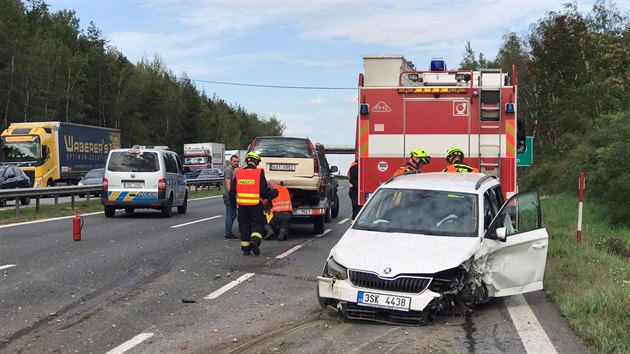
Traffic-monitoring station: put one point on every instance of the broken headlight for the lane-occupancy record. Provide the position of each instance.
(335, 270)
(448, 280)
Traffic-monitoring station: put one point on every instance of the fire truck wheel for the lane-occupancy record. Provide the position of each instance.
(318, 224)
(335, 208)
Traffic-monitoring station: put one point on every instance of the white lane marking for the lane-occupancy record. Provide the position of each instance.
(196, 221)
(130, 343)
(229, 286)
(45, 220)
(323, 233)
(343, 221)
(7, 266)
(289, 252)
(533, 336)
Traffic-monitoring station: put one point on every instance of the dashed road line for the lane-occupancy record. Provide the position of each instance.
(533, 336)
(343, 221)
(229, 286)
(324, 233)
(289, 252)
(196, 221)
(7, 266)
(130, 343)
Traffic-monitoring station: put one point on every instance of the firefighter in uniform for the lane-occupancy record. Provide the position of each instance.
(249, 187)
(417, 159)
(281, 212)
(455, 158)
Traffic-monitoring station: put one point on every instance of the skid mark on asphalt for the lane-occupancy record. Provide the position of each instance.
(229, 286)
(130, 343)
(533, 336)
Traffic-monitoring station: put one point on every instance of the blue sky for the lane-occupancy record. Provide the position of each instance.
(302, 43)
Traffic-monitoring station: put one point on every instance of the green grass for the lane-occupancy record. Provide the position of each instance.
(589, 282)
(80, 205)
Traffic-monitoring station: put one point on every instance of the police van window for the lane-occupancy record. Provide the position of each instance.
(133, 161)
(170, 163)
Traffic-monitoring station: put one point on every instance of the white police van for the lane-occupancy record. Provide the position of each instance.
(144, 178)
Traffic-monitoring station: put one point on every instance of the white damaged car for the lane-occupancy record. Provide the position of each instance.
(434, 243)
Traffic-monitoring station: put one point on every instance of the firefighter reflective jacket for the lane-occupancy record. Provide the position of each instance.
(283, 201)
(460, 167)
(248, 186)
(404, 168)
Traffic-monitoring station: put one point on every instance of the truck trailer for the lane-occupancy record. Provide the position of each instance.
(56, 153)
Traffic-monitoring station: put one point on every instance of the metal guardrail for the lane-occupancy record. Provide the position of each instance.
(75, 191)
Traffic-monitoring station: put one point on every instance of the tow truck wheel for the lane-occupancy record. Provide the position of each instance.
(335, 209)
(328, 215)
(318, 224)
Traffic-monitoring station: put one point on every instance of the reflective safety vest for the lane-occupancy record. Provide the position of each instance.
(404, 168)
(283, 201)
(248, 186)
(460, 167)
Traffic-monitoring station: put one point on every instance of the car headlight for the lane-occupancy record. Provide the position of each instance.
(335, 270)
(80, 183)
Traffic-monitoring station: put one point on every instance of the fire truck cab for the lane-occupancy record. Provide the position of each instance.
(402, 108)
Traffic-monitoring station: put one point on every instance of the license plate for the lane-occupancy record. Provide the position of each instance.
(399, 303)
(133, 184)
(281, 167)
(303, 211)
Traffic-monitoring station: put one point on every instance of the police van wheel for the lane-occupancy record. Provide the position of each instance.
(182, 208)
(167, 210)
(110, 211)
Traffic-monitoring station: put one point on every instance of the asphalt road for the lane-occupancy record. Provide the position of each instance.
(148, 284)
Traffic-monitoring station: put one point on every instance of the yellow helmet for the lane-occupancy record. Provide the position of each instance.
(421, 154)
(455, 150)
(252, 156)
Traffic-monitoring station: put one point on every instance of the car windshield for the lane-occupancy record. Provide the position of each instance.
(133, 161)
(426, 212)
(283, 147)
(195, 160)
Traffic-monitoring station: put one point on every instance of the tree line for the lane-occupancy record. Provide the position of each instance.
(51, 70)
(574, 98)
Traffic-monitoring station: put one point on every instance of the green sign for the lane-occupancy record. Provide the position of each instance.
(526, 157)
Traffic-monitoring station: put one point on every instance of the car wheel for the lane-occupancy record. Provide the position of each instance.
(167, 210)
(3, 203)
(81, 195)
(110, 211)
(318, 224)
(328, 215)
(335, 209)
(184, 207)
(25, 200)
(130, 210)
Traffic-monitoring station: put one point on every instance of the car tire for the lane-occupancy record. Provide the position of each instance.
(335, 209)
(167, 210)
(110, 211)
(184, 207)
(25, 200)
(81, 195)
(318, 224)
(130, 210)
(3, 203)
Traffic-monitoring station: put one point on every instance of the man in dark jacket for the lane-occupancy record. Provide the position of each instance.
(353, 191)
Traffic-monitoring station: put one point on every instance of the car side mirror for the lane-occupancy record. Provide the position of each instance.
(334, 169)
(501, 233)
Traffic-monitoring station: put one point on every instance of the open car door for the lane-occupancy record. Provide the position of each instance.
(518, 263)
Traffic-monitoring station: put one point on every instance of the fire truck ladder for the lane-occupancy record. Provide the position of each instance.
(489, 139)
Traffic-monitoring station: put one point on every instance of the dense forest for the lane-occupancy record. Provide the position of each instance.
(50, 70)
(574, 92)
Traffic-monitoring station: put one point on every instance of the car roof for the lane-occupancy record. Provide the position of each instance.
(141, 149)
(475, 183)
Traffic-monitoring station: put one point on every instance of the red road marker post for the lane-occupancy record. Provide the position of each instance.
(581, 183)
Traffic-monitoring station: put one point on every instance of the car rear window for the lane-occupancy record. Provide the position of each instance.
(283, 147)
(133, 161)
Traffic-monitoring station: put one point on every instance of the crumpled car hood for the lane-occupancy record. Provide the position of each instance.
(402, 252)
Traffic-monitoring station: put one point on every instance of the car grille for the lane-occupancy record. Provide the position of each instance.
(417, 318)
(31, 175)
(403, 283)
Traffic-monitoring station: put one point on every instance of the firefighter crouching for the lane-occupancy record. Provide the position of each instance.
(249, 187)
(417, 159)
(281, 212)
(455, 158)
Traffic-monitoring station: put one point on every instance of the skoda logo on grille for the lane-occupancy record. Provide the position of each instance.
(133, 175)
(387, 270)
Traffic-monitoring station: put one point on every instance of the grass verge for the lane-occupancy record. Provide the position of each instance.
(589, 282)
(81, 205)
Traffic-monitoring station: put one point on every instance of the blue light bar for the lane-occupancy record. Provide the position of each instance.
(438, 64)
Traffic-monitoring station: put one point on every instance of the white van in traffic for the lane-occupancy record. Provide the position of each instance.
(144, 178)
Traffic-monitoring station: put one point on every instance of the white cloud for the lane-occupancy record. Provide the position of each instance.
(317, 101)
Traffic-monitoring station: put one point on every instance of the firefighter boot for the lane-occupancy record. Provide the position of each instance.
(245, 247)
(255, 242)
(268, 232)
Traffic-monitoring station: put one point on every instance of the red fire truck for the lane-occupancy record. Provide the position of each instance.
(402, 108)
